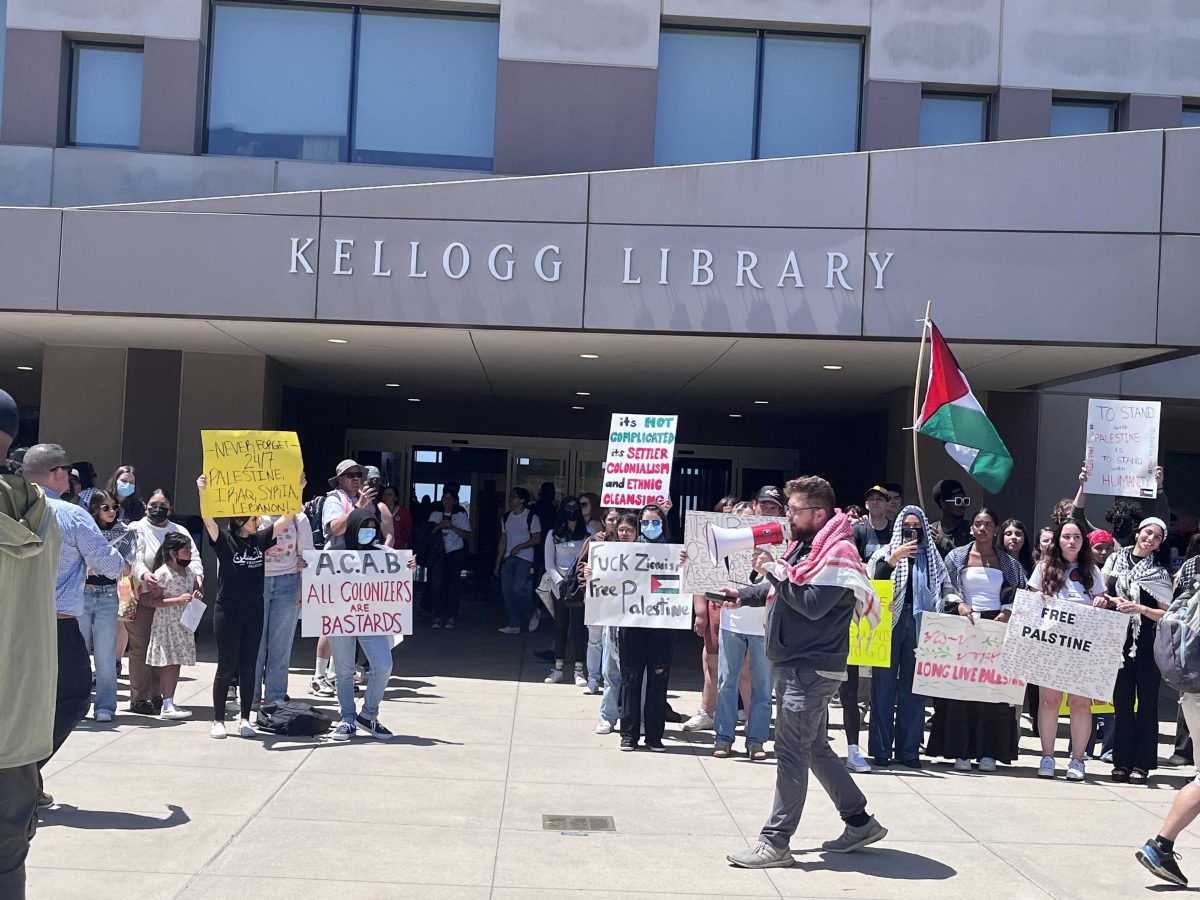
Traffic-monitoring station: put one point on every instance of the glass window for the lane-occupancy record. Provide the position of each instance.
(706, 88)
(810, 94)
(106, 96)
(280, 82)
(1191, 117)
(3, 34)
(953, 119)
(426, 90)
(1082, 117)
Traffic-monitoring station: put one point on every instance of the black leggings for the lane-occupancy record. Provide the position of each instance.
(239, 632)
(645, 656)
(568, 625)
(848, 693)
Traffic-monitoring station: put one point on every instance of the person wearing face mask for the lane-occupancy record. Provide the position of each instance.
(281, 603)
(986, 578)
(920, 584)
(621, 527)
(363, 532)
(123, 486)
(1130, 575)
(145, 698)
(238, 617)
(567, 540)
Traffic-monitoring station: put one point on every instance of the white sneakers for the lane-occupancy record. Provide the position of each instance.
(987, 764)
(580, 679)
(701, 721)
(603, 726)
(555, 676)
(245, 729)
(217, 731)
(855, 761)
(962, 765)
(174, 713)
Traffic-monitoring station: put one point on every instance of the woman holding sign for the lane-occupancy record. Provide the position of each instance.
(986, 578)
(1066, 570)
(1141, 588)
(238, 617)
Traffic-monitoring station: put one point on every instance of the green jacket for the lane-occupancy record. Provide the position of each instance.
(29, 551)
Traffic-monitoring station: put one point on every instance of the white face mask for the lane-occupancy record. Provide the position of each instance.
(366, 536)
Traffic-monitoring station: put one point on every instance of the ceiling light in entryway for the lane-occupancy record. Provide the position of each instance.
(589, 356)
(583, 393)
(832, 368)
(337, 340)
(576, 407)
(24, 368)
(761, 402)
(414, 399)
(735, 415)
(391, 384)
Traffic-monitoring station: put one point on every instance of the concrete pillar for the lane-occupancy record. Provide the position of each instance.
(891, 115)
(1016, 417)
(83, 404)
(36, 88)
(1062, 430)
(172, 96)
(1021, 113)
(1142, 111)
(151, 416)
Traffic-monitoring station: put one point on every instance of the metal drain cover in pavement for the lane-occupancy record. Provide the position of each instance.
(578, 823)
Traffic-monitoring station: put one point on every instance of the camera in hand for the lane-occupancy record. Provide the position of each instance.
(911, 533)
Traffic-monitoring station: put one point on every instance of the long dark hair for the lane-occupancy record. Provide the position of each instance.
(662, 514)
(569, 511)
(985, 511)
(135, 497)
(1054, 566)
(98, 499)
(1025, 555)
(629, 519)
(172, 540)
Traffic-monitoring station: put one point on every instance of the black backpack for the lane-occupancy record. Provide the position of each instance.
(572, 592)
(293, 719)
(312, 511)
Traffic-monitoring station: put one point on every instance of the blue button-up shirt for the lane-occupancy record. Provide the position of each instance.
(83, 547)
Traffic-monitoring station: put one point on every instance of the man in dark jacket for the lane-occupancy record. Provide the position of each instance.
(814, 592)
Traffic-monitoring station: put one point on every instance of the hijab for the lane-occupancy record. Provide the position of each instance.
(926, 569)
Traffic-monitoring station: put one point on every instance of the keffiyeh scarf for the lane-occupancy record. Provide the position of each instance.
(930, 571)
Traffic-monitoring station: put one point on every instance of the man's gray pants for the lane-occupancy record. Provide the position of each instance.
(801, 744)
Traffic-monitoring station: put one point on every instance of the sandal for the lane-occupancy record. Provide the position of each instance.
(1137, 776)
(1119, 775)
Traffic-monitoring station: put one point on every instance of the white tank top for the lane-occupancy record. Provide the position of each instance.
(981, 587)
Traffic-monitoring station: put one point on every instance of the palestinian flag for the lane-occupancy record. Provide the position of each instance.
(952, 414)
(664, 584)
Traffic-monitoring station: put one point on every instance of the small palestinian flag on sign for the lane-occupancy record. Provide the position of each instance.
(664, 584)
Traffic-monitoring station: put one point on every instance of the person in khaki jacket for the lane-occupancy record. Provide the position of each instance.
(29, 550)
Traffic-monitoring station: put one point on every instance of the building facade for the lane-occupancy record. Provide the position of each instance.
(453, 238)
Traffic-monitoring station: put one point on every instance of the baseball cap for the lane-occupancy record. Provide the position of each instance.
(10, 417)
(344, 466)
(771, 494)
(946, 489)
(876, 489)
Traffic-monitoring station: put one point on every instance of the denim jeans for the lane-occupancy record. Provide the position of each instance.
(610, 707)
(281, 594)
(378, 650)
(516, 584)
(98, 625)
(595, 652)
(897, 714)
(802, 744)
(733, 648)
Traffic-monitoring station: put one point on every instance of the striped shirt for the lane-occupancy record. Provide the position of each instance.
(83, 548)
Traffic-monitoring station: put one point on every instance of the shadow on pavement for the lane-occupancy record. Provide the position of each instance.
(69, 816)
(882, 862)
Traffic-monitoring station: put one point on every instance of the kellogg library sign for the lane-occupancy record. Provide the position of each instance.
(694, 266)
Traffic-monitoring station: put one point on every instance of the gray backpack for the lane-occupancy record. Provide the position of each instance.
(1177, 642)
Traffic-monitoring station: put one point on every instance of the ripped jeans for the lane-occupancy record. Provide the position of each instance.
(645, 655)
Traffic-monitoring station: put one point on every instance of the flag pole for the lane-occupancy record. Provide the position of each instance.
(917, 405)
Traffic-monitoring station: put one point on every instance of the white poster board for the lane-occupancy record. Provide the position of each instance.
(699, 573)
(356, 593)
(637, 468)
(636, 585)
(1067, 646)
(1122, 447)
(960, 660)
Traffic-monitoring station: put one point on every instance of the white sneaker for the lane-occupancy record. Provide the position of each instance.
(580, 679)
(175, 713)
(450, 626)
(962, 765)
(855, 761)
(245, 729)
(1075, 770)
(510, 629)
(217, 731)
(987, 764)
(603, 726)
(555, 676)
(1046, 768)
(535, 620)
(701, 721)
(437, 623)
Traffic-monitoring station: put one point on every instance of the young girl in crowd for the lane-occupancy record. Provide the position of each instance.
(625, 530)
(99, 620)
(562, 549)
(144, 694)
(123, 487)
(1066, 570)
(238, 617)
(1014, 538)
(920, 584)
(1046, 540)
(1135, 742)
(171, 644)
(598, 649)
(453, 527)
(986, 578)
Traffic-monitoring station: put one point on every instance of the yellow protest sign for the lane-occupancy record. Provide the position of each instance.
(1098, 706)
(251, 473)
(873, 646)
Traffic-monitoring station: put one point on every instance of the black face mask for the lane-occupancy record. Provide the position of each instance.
(157, 516)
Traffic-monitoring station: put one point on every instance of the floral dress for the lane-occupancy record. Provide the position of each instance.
(170, 643)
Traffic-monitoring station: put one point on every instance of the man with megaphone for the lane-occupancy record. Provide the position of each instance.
(811, 596)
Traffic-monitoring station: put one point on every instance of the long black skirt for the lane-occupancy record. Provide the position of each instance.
(968, 729)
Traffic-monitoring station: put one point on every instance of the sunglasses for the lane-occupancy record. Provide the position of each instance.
(354, 474)
(958, 501)
(104, 507)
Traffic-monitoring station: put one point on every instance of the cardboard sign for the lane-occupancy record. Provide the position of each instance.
(637, 469)
(251, 473)
(699, 572)
(1122, 447)
(873, 646)
(636, 585)
(356, 593)
(1072, 647)
(959, 659)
